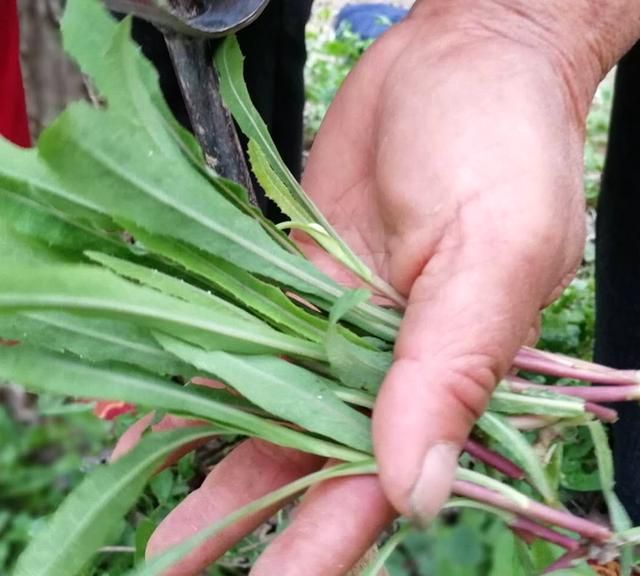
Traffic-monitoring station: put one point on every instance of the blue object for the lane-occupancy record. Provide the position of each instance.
(369, 20)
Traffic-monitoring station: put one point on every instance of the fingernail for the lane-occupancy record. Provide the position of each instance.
(433, 486)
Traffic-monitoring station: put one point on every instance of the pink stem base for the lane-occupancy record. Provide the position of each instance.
(533, 510)
(493, 459)
(531, 528)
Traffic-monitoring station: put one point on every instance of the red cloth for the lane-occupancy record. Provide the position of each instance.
(13, 111)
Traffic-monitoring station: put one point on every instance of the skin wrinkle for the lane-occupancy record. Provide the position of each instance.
(454, 240)
(369, 229)
(461, 361)
(408, 278)
(359, 238)
(472, 392)
(536, 32)
(452, 350)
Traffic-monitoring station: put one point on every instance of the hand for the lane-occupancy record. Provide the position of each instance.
(451, 162)
(454, 165)
(254, 469)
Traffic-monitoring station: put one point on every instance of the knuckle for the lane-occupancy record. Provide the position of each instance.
(471, 383)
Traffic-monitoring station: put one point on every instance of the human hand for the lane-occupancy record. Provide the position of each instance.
(454, 165)
(451, 162)
(253, 469)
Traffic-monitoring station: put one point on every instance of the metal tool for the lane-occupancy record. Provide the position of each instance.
(188, 26)
(199, 18)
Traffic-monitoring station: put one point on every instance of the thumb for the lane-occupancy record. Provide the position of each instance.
(467, 316)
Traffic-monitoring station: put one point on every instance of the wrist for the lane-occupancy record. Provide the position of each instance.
(581, 40)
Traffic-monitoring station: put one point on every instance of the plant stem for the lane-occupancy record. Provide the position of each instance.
(355, 397)
(493, 459)
(383, 555)
(601, 412)
(531, 421)
(523, 526)
(559, 406)
(591, 393)
(629, 537)
(539, 531)
(385, 289)
(564, 367)
(533, 510)
(566, 560)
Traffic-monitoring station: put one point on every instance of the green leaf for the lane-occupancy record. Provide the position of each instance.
(55, 228)
(239, 197)
(229, 63)
(15, 248)
(524, 558)
(263, 298)
(503, 554)
(282, 187)
(604, 456)
(544, 553)
(332, 246)
(162, 485)
(98, 292)
(283, 389)
(620, 520)
(353, 361)
(347, 302)
(86, 518)
(274, 187)
(534, 402)
(130, 83)
(553, 469)
(122, 75)
(22, 171)
(103, 156)
(50, 405)
(42, 371)
(105, 162)
(170, 285)
(523, 454)
(93, 339)
(385, 552)
(144, 531)
(356, 366)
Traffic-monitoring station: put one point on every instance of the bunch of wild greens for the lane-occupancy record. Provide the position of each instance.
(126, 261)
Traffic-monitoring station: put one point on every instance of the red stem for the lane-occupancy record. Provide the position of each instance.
(529, 527)
(601, 412)
(533, 510)
(566, 560)
(493, 459)
(536, 361)
(525, 536)
(592, 393)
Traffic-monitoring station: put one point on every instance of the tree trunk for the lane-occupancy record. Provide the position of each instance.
(51, 80)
